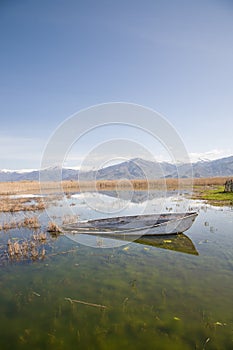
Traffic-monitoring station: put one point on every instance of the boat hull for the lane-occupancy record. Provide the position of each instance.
(138, 225)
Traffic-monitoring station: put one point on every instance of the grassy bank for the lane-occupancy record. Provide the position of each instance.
(214, 195)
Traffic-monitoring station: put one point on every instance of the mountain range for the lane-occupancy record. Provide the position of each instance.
(136, 168)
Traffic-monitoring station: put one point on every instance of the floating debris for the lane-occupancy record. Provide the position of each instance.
(203, 241)
(220, 324)
(85, 303)
(65, 252)
(126, 248)
(207, 341)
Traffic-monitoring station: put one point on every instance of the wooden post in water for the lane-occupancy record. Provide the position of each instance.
(228, 186)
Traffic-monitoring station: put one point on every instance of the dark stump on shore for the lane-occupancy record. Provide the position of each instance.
(228, 186)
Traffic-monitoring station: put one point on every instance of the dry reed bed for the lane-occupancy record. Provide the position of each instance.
(160, 184)
(20, 204)
(32, 248)
(28, 222)
(25, 187)
(53, 228)
(33, 223)
(27, 249)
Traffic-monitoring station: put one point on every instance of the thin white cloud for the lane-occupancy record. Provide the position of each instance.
(210, 155)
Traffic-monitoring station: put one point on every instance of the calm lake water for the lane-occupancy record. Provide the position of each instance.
(159, 294)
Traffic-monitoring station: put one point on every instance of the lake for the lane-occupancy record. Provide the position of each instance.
(165, 293)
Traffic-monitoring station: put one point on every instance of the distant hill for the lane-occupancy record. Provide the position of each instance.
(219, 167)
(136, 169)
(133, 169)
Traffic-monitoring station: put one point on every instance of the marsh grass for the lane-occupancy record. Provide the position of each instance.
(27, 222)
(20, 204)
(31, 222)
(32, 248)
(218, 195)
(25, 187)
(213, 193)
(53, 228)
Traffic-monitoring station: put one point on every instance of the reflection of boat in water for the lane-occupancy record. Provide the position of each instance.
(135, 225)
(180, 243)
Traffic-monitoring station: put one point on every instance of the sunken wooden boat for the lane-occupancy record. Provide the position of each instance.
(141, 225)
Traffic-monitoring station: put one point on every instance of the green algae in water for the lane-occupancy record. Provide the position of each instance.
(156, 298)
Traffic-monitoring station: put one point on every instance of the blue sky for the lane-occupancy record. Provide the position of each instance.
(58, 57)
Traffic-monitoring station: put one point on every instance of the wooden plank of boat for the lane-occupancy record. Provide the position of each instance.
(149, 224)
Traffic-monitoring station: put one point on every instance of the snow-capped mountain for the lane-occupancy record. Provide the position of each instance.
(133, 169)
